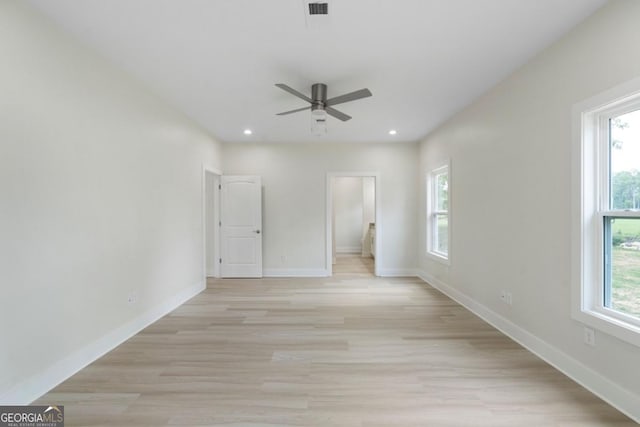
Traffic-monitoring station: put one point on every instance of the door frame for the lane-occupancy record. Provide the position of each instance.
(216, 240)
(329, 218)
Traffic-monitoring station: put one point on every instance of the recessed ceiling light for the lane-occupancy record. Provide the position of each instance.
(392, 132)
(248, 132)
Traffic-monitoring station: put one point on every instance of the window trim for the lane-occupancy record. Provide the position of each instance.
(590, 183)
(432, 212)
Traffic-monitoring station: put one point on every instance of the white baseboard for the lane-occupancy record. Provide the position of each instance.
(301, 272)
(348, 249)
(32, 388)
(617, 396)
(294, 272)
(397, 272)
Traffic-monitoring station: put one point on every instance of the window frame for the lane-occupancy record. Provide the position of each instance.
(433, 213)
(591, 206)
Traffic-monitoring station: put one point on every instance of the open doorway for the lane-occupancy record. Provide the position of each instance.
(353, 219)
(211, 214)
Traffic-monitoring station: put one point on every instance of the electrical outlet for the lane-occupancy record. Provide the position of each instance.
(503, 296)
(509, 299)
(283, 258)
(589, 336)
(132, 298)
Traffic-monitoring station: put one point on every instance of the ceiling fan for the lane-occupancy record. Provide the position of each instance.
(320, 105)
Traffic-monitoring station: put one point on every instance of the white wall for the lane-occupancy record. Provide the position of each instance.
(294, 179)
(348, 213)
(368, 209)
(511, 200)
(100, 199)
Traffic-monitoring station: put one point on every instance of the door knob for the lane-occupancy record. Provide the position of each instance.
(257, 231)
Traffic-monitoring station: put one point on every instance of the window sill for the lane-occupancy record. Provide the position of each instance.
(438, 257)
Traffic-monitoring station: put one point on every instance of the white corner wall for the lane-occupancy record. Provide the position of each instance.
(100, 202)
(348, 203)
(368, 210)
(511, 217)
(294, 178)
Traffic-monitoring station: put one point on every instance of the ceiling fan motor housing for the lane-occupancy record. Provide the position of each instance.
(319, 96)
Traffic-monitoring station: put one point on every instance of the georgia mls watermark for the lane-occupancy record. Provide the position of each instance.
(32, 416)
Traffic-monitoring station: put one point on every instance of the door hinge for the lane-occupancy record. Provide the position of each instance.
(219, 186)
(220, 260)
(219, 223)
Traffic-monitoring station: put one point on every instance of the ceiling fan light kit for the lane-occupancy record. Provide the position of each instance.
(318, 123)
(321, 106)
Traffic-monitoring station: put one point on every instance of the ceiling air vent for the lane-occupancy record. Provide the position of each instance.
(318, 8)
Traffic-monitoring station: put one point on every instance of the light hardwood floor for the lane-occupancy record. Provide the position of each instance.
(354, 265)
(342, 351)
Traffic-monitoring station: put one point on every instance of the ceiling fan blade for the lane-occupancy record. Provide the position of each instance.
(358, 94)
(293, 92)
(337, 114)
(294, 111)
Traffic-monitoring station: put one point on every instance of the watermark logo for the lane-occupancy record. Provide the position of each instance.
(32, 416)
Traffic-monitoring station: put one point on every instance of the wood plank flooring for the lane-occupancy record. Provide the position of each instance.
(353, 265)
(342, 351)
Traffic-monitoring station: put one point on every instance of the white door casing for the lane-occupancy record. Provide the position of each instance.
(211, 218)
(241, 226)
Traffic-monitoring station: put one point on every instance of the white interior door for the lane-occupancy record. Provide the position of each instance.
(211, 221)
(241, 226)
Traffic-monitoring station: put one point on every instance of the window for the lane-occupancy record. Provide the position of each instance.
(438, 213)
(607, 294)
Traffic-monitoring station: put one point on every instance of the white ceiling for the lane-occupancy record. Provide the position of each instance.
(218, 60)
